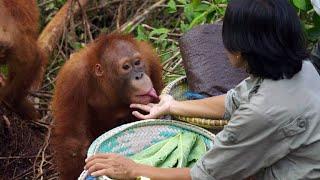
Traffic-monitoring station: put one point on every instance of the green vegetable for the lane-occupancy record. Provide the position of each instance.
(191, 164)
(197, 151)
(182, 150)
(150, 150)
(171, 161)
(160, 156)
(186, 142)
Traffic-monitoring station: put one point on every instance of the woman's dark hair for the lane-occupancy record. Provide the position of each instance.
(269, 36)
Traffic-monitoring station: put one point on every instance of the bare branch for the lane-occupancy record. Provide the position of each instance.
(53, 31)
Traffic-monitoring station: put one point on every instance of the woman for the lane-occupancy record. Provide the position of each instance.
(274, 127)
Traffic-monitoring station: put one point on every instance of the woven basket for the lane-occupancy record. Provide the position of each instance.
(132, 138)
(177, 88)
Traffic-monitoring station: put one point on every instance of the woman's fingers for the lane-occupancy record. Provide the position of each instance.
(112, 165)
(102, 155)
(96, 161)
(141, 116)
(96, 167)
(101, 172)
(142, 107)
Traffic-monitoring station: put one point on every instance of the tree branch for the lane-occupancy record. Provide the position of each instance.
(51, 34)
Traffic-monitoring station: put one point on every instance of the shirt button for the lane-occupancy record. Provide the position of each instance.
(302, 124)
(291, 132)
(255, 89)
(232, 138)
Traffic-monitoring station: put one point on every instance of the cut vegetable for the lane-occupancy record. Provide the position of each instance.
(182, 150)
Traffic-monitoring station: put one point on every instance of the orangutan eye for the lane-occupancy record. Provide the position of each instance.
(126, 67)
(137, 63)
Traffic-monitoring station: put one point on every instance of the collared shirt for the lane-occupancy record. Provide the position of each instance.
(273, 132)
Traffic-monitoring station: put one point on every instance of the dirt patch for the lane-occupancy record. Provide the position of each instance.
(24, 149)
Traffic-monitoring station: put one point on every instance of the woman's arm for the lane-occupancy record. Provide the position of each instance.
(119, 167)
(162, 173)
(213, 107)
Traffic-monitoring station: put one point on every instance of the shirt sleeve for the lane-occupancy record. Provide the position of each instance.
(247, 144)
(232, 102)
(234, 97)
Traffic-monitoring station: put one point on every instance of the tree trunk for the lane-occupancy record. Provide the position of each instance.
(52, 33)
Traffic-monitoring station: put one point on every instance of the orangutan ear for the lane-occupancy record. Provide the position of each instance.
(98, 70)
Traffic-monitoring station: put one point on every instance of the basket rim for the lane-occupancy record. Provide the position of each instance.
(113, 132)
(95, 144)
(202, 122)
(167, 88)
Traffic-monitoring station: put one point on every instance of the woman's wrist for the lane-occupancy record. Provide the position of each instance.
(137, 171)
(159, 173)
(172, 106)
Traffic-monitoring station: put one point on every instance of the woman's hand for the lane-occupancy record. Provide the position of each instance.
(118, 167)
(111, 165)
(154, 110)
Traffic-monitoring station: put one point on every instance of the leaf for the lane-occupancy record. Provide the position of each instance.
(202, 17)
(198, 150)
(179, 151)
(4, 70)
(171, 161)
(141, 33)
(188, 11)
(195, 3)
(201, 8)
(159, 32)
(172, 6)
(313, 33)
(182, 1)
(304, 5)
(148, 152)
(162, 39)
(50, 6)
(160, 156)
(77, 45)
(185, 144)
(184, 27)
(128, 29)
(316, 19)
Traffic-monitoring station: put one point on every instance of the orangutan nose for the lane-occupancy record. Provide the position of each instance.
(139, 76)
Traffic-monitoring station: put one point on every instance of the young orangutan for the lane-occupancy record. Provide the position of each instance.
(93, 92)
(19, 50)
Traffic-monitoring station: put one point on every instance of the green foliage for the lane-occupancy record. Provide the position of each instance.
(194, 12)
(50, 9)
(77, 46)
(310, 19)
(164, 33)
(198, 12)
(302, 4)
(4, 70)
(172, 6)
(162, 27)
(191, 13)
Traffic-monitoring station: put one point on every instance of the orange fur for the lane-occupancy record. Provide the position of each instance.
(19, 49)
(84, 108)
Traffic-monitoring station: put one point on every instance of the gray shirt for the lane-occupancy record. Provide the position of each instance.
(273, 132)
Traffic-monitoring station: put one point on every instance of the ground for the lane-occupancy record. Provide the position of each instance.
(24, 149)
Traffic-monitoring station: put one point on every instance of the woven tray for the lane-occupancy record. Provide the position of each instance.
(131, 138)
(177, 88)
